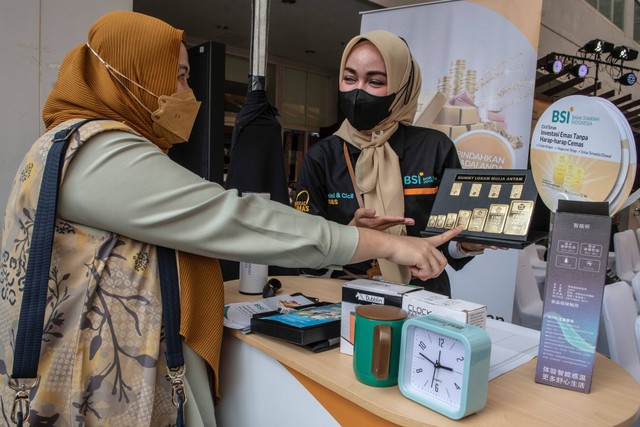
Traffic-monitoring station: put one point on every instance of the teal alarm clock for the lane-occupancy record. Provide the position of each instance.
(444, 365)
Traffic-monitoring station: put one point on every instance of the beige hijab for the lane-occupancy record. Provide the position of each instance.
(378, 168)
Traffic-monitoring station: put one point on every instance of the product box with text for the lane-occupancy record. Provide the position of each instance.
(576, 269)
(421, 303)
(361, 292)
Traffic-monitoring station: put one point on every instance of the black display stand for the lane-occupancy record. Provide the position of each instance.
(497, 207)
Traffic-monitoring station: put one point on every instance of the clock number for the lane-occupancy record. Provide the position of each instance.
(459, 359)
(440, 342)
(422, 345)
(436, 387)
(419, 370)
(457, 386)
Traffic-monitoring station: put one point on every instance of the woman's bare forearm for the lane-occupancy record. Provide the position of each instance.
(421, 255)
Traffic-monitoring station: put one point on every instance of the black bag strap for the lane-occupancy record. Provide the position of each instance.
(26, 354)
(29, 335)
(32, 310)
(171, 317)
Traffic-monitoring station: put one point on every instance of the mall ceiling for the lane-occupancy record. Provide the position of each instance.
(313, 33)
(310, 32)
(551, 87)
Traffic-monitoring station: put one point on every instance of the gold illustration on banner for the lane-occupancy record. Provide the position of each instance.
(494, 191)
(516, 191)
(432, 221)
(464, 216)
(574, 177)
(519, 217)
(440, 221)
(578, 179)
(496, 218)
(478, 217)
(475, 190)
(561, 160)
(456, 187)
(450, 222)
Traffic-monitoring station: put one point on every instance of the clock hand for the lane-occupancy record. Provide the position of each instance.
(439, 365)
(430, 361)
(435, 368)
(433, 377)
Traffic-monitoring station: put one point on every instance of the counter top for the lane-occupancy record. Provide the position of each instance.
(514, 398)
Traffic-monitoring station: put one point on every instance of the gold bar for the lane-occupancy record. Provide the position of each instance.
(516, 191)
(456, 187)
(450, 222)
(496, 218)
(494, 191)
(464, 216)
(519, 217)
(475, 190)
(478, 217)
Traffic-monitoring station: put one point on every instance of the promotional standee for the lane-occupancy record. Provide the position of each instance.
(584, 167)
(576, 267)
(478, 62)
(580, 150)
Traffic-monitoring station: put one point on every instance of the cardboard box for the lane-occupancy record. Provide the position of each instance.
(455, 115)
(430, 102)
(454, 132)
(421, 303)
(363, 292)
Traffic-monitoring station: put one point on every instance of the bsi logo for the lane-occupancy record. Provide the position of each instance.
(561, 116)
(412, 179)
(418, 178)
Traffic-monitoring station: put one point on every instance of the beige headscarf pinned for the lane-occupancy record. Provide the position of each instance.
(378, 168)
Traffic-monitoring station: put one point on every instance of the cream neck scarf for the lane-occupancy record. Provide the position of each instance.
(378, 167)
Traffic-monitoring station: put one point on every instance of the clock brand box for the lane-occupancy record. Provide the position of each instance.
(421, 303)
(363, 292)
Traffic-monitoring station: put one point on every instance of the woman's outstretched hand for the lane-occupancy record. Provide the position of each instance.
(366, 217)
(421, 255)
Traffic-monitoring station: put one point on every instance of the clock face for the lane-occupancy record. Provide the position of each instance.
(444, 365)
(437, 365)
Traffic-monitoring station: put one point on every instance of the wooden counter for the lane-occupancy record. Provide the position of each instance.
(514, 399)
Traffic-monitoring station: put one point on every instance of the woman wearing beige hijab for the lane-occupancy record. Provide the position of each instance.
(102, 360)
(377, 170)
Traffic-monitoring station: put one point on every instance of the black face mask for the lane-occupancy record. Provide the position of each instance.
(364, 110)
